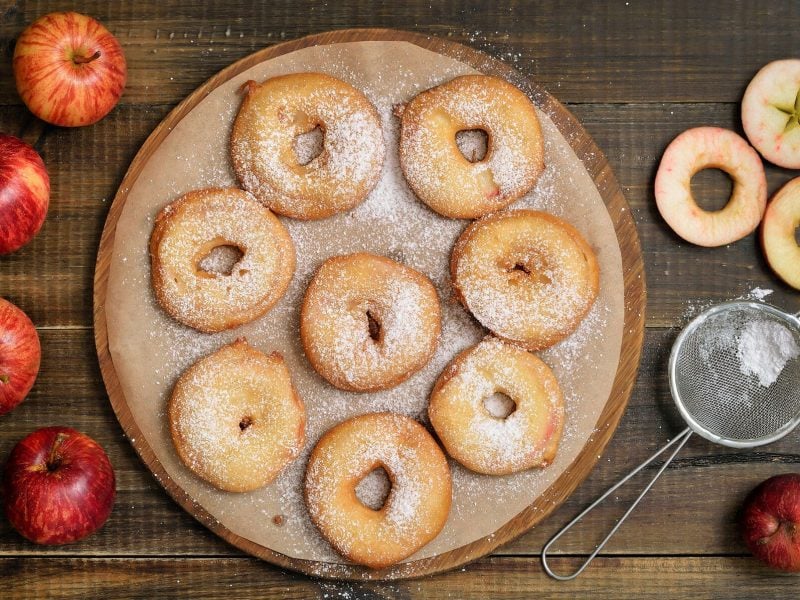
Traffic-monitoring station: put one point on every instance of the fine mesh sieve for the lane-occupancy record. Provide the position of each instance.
(715, 397)
(728, 387)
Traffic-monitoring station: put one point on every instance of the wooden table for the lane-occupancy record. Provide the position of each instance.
(635, 73)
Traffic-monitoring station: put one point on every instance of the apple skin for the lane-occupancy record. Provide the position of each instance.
(778, 241)
(69, 69)
(20, 355)
(58, 486)
(771, 522)
(771, 112)
(24, 193)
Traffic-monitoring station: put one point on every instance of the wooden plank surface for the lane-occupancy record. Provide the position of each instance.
(639, 578)
(635, 74)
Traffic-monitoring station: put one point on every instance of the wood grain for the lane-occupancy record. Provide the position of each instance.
(679, 51)
(632, 335)
(610, 578)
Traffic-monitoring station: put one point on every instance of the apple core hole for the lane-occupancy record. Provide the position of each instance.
(245, 423)
(521, 267)
(221, 260)
(309, 145)
(711, 189)
(499, 405)
(373, 489)
(473, 144)
(374, 327)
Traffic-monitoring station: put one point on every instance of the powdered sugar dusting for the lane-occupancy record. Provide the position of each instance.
(390, 222)
(764, 348)
(284, 173)
(440, 176)
(367, 321)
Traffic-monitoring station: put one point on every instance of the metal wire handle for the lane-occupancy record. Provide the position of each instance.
(680, 440)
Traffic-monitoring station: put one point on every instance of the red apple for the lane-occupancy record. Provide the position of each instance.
(24, 193)
(20, 354)
(771, 522)
(69, 69)
(58, 486)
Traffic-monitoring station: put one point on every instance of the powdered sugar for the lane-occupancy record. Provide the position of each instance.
(390, 222)
(764, 348)
(283, 172)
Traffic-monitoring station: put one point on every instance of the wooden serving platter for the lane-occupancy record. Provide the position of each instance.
(633, 327)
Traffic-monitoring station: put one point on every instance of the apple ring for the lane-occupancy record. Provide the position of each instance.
(275, 113)
(436, 169)
(368, 323)
(778, 231)
(187, 230)
(526, 438)
(711, 148)
(417, 506)
(526, 275)
(236, 419)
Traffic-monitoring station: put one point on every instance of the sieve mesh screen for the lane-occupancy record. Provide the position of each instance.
(720, 395)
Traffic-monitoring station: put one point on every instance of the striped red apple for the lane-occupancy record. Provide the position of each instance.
(69, 69)
(20, 354)
(58, 486)
(24, 193)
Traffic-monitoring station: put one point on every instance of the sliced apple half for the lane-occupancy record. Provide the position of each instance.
(771, 112)
(779, 230)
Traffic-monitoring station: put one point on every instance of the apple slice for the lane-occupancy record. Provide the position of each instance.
(778, 231)
(771, 112)
(711, 148)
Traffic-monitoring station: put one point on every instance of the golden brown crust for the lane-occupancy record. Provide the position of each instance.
(527, 438)
(334, 326)
(546, 299)
(435, 168)
(188, 229)
(235, 418)
(417, 507)
(281, 108)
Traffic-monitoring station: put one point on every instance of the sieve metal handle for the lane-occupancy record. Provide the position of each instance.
(680, 440)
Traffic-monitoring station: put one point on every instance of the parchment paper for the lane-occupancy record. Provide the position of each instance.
(150, 350)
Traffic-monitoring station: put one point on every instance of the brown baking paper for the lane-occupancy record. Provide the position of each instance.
(150, 350)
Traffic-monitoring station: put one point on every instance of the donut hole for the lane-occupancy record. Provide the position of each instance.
(374, 326)
(797, 235)
(373, 489)
(245, 423)
(521, 267)
(221, 260)
(499, 405)
(532, 269)
(711, 189)
(309, 145)
(473, 144)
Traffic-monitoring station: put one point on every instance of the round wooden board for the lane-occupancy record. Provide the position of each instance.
(633, 328)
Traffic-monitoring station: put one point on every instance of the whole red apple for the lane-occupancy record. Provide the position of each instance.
(24, 193)
(771, 522)
(69, 69)
(20, 354)
(58, 486)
